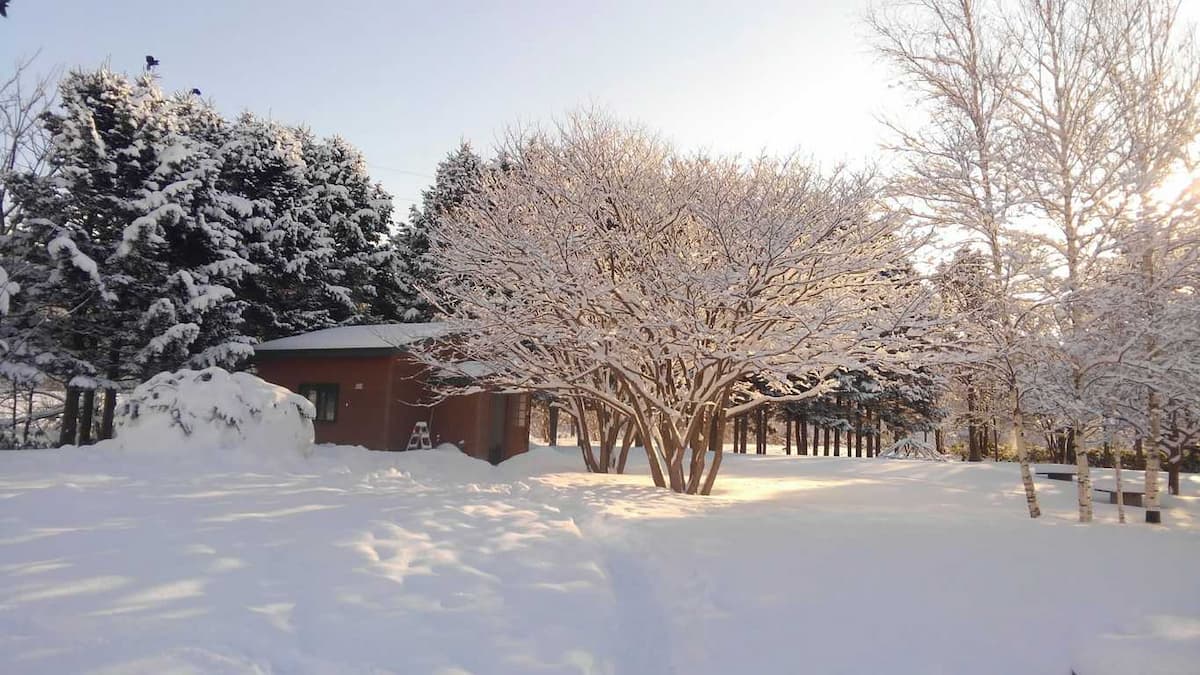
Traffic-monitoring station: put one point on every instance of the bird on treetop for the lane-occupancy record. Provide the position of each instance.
(196, 92)
(151, 62)
(4, 8)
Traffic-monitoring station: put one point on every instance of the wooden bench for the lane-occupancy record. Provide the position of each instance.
(1057, 472)
(1130, 497)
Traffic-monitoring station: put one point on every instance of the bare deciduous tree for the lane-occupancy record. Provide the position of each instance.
(602, 265)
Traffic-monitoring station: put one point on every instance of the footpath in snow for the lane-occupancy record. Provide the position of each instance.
(431, 562)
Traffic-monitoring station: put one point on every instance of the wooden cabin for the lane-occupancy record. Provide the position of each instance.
(369, 390)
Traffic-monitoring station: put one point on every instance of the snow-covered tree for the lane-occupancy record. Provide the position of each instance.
(1047, 132)
(956, 174)
(458, 176)
(1108, 108)
(355, 215)
(134, 263)
(315, 225)
(605, 265)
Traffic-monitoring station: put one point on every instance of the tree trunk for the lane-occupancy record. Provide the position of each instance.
(28, 417)
(1120, 487)
(837, 442)
(626, 444)
(802, 442)
(706, 489)
(973, 454)
(826, 452)
(760, 431)
(1084, 479)
(552, 417)
(86, 411)
(787, 435)
(652, 456)
(106, 415)
(716, 442)
(938, 442)
(858, 434)
(1153, 515)
(70, 417)
(1031, 500)
(584, 438)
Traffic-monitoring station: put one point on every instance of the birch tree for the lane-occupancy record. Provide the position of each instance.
(604, 265)
(955, 173)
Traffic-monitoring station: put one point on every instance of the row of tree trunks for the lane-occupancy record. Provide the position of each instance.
(78, 418)
(862, 441)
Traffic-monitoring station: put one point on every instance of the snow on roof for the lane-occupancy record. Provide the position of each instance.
(380, 336)
(471, 369)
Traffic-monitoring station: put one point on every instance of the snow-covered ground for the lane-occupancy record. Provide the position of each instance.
(432, 562)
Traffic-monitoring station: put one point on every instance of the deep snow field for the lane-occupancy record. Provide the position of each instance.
(432, 562)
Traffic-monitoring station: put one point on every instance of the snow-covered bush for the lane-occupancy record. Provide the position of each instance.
(188, 411)
(912, 448)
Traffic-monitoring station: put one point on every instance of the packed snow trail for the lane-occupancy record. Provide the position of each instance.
(432, 562)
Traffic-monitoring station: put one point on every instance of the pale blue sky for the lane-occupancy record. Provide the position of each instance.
(405, 81)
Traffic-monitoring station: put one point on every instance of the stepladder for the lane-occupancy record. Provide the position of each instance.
(419, 439)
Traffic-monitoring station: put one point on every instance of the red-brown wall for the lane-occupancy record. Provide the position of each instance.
(361, 417)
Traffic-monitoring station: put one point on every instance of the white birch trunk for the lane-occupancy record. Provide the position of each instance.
(1153, 515)
(1084, 479)
(1023, 457)
(1120, 485)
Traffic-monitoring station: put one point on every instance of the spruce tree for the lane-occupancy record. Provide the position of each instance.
(458, 176)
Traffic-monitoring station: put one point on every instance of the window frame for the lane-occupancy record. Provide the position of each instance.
(322, 389)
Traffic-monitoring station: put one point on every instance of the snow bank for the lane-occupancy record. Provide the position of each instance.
(195, 411)
(435, 562)
(1157, 645)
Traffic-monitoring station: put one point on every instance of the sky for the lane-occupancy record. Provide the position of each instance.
(407, 81)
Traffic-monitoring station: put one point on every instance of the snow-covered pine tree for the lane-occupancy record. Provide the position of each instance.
(315, 226)
(188, 249)
(458, 176)
(70, 223)
(137, 261)
(353, 214)
(265, 181)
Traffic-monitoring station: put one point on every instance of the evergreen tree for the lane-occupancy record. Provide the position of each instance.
(353, 215)
(131, 262)
(458, 176)
(266, 178)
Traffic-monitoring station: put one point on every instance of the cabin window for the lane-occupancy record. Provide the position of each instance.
(324, 398)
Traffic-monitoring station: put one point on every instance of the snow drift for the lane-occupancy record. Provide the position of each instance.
(190, 411)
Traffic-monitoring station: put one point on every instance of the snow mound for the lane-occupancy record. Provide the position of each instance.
(541, 460)
(911, 448)
(192, 411)
(1157, 645)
